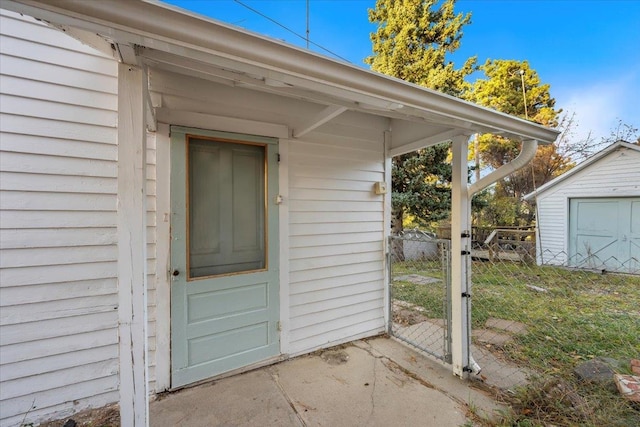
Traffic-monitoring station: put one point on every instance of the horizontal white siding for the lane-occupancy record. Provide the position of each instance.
(336, 227)
(615, 175)
(58, 236)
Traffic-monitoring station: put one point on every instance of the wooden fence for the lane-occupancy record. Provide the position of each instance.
(503, 243)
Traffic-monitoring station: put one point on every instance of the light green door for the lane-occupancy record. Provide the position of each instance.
(605, 232)
(224, 253)
(632, 241)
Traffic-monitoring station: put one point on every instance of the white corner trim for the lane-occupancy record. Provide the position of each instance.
(132, 247)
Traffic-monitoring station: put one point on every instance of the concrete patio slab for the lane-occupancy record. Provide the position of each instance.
(376, 382)
(364, 391)
(249, 399)
(436, 375)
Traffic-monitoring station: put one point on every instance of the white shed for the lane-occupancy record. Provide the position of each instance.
(182, 199)
(590, 216)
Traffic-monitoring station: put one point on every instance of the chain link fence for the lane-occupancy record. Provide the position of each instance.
(420, 292)
(551, 332)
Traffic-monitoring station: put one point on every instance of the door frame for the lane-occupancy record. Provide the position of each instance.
(161, 139)
(183, 373)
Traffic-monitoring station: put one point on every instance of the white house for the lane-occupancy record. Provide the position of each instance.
(590, 216)
(182, 199)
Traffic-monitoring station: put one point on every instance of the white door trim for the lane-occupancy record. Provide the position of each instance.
(163, 258)
(163, 252)
(283, 171)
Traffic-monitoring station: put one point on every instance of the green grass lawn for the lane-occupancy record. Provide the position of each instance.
(430, 297)
(581, 315)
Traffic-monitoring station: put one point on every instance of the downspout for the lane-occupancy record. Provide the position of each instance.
(528, 152)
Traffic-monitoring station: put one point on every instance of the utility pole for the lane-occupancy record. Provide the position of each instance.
(524, 95)
(476, 149)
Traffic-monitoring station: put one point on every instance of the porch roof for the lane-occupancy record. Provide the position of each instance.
(144, 32)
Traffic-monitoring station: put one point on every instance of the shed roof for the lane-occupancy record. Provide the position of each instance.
(585, 164)
(155, 34)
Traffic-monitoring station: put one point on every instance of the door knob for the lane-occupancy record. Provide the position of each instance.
(175, 273)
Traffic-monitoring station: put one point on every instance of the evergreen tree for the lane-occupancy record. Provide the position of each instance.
(412, 41)
(421, 185)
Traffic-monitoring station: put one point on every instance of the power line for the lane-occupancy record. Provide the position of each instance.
(306, 39)
(307, 24)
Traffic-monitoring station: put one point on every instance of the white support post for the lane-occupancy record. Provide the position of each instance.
(460, 244)
(132, 247)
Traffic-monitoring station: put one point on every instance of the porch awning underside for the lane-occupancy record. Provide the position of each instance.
(160, 36)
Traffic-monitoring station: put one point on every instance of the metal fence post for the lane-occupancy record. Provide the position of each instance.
(445, 259)
(390, 286)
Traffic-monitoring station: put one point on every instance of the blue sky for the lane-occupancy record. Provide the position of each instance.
(587, 50)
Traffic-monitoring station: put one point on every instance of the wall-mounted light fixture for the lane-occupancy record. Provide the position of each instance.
(380, 187)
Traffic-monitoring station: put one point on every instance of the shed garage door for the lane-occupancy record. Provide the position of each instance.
(605, 233)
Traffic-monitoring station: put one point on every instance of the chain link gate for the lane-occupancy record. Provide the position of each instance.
(420, 292)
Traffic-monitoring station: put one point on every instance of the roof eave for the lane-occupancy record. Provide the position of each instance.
(147, 21)
(593, 159)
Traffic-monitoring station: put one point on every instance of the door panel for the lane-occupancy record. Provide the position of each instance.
(601, 233)
(633, 239)
(224, 299)
(594, 230)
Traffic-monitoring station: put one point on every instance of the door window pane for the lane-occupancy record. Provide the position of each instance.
(226, 207)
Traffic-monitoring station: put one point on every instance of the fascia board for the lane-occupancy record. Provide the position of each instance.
(162, 26)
